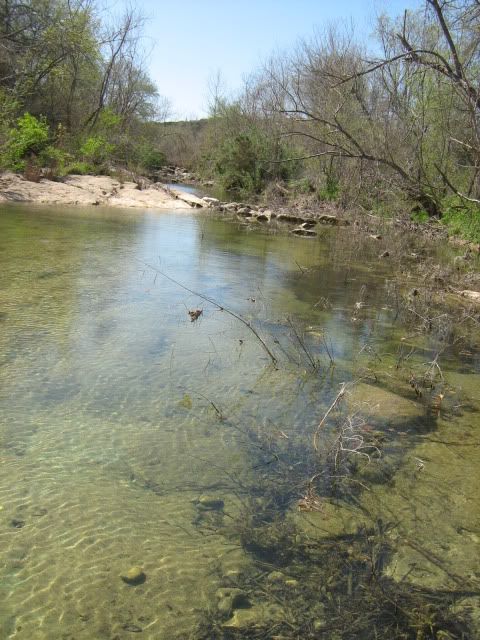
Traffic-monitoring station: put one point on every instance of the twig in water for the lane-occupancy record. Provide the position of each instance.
(216, 409)
(329, 350)
(218, 306)
(301, 342)
(338, 397)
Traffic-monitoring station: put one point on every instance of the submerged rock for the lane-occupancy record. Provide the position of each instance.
(210, 503)
(306, 233)
(276, 576)
(333, 520)
(135, 575)
(231, 599)
(257, 616)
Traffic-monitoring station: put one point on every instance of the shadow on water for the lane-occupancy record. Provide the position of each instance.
(261, 501)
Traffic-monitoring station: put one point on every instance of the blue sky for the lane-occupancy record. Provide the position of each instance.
(190, 40)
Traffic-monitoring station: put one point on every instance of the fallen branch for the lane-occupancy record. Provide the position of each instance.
(339, 396)
(218, 306)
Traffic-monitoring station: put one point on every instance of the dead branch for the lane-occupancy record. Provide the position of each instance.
(218, 306)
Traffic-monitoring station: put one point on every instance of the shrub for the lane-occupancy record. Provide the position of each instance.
(96, 150)
(150, 158)
(53, 160)
(302, 186)
(330, 191)
(29, 138)
(244, 163)
(462, 218)
(79, 168)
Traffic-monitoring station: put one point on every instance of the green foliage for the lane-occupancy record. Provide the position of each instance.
(330, 191)
(9, 107)
(150, 158)
(96, 150)
(79, 168)
(419, 215)
(29, 138)
(462, 218)
(245, 162)
(54, 159)
(108, 121)
(302, 186)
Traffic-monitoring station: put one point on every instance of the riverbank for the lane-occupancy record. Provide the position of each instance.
(94, 190)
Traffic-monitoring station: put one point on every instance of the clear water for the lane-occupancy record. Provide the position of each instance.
(117, 413)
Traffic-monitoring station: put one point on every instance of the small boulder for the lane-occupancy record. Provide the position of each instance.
(276, 576)
(211, 201)
(210, 503)
(134, 576)
(288, 217)
(231, 599)
(306, 233)
(333, 220)
(257, 616)
(471, 295)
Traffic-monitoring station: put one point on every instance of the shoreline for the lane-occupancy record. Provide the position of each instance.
(98, 190)
(89, 190)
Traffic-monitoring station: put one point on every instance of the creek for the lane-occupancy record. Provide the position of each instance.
(133, 434)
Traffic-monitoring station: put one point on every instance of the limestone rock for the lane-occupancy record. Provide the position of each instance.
(135, 575)
(333, 220)
(257, 616)
(288, 217)
(211, 201)
(276, 576)
(210, 503)
(306, 233)
(471, 295)
(231, 599)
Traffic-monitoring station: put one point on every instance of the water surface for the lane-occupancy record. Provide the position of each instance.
(117, 413)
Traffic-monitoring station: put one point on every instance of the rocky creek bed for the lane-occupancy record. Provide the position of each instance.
(161, 477)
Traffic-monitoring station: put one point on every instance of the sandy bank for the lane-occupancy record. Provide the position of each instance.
(93, 190)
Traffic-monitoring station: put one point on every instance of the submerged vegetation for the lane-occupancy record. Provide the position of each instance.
(288, 451)
(279, 439)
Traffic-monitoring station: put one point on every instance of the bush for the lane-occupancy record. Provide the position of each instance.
(462, 218)
(53, 160)
(302, 186)
(29, 138)
(331, 190)
(79, 168)
(96, 150)
(244, 163)
(150, 158)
